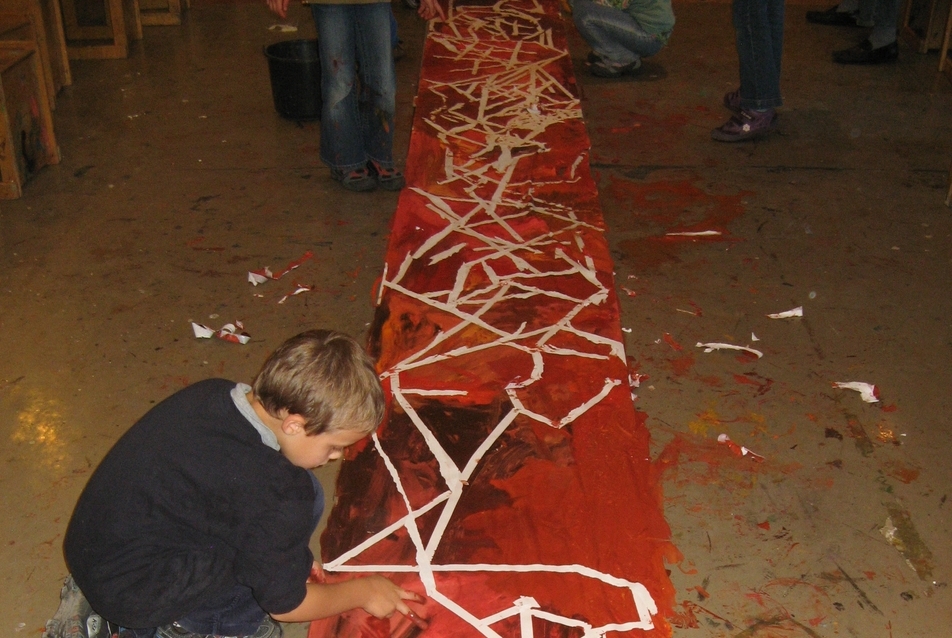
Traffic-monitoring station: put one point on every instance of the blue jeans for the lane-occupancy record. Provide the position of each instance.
(614, 35)
(358, 84)
(238, 613)
(758, 25)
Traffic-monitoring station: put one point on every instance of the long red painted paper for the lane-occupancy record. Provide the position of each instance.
(511, 483)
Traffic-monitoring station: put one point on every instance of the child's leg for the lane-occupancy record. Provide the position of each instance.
(236, 613)
(615, 36)
(378, 81)
(341, 148)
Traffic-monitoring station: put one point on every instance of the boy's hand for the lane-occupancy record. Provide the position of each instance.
(384, 598)
(279, 7)
(430, 9)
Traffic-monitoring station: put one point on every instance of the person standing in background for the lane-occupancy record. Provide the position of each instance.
(354, 40)
(758, 28)
(880, 16)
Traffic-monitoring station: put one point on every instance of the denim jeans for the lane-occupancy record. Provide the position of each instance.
(881, 15)
(238, 613)
(758, 25)
(358, 84)
(614, 35)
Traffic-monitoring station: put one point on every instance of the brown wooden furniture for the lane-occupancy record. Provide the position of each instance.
(29, 23)
(100, 28)
(923, 23)
(27, 141)
(162, 12)
(51, 14)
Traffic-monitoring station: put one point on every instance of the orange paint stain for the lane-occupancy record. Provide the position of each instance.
(899, 470)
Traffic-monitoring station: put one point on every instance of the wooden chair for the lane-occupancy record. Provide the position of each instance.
(30, 24)
(27, 141)
(162, 12)
(923, 23)
(100, 28)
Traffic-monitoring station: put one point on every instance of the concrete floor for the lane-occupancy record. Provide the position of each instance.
(178, 177)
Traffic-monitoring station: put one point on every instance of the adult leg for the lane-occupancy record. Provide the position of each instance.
(378, 85)
(881, 46)
(614, 35)
(885, 22)
(341, 147)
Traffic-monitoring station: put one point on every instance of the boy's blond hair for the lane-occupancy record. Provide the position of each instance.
(326, 377)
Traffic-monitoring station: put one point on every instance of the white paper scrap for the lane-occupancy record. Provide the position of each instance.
(297, 291)
(867, 391)
(754, 337)
(697, 233)
(710, 347)
(796, 312)
(259, 277)
(202, 332)
(233, 332)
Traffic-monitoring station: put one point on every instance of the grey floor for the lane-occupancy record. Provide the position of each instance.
(178, 177)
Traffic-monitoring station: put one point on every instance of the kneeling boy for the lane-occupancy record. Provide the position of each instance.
(197, 522)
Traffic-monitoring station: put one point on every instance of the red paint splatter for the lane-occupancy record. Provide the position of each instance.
(765, 525)
(668, 339)
(679, 205)
(682, 365)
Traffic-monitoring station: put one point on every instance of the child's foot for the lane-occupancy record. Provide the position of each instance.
(359, 180)
(74, 618)
(732, 101)
(604, 69)
(389, 179)
(746, 125)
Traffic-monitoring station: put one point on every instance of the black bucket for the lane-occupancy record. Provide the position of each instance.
(295, 68)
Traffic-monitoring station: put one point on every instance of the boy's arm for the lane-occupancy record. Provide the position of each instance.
(374, 594)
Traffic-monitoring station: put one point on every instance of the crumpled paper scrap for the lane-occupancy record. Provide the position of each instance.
(867, 391)
(796, 312)
(256, 277)
(710, 347)
(299, 288)
(723, 439)
(233, 332)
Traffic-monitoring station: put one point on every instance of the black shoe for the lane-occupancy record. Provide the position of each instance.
(833, 18)
(864, 53)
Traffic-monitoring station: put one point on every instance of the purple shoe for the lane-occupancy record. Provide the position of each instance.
(732, 101)
(746, 125)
